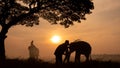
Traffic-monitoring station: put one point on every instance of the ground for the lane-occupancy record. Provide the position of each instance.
(16, 63)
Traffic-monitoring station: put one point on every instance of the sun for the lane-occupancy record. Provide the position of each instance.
(55, 39)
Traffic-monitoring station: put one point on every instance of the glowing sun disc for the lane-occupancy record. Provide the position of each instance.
(55, 39)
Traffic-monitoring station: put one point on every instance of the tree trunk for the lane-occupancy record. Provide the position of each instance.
(2, 49)
(2, 43)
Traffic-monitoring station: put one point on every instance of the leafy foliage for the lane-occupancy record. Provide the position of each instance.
(64, 12)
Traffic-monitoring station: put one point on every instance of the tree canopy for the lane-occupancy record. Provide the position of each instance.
(64, 12)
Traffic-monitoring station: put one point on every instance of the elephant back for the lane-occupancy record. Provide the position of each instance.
(81, 46)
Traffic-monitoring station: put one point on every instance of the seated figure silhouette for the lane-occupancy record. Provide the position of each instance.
(33, 51)
(60, 50)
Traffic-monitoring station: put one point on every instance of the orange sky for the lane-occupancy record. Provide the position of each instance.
(101, 30)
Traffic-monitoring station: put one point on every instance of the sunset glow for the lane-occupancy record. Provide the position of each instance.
(101, 30)
(55, 39)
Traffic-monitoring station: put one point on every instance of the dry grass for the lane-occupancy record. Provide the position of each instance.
(17, 63)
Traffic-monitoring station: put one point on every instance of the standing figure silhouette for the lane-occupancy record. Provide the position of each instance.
(60, 50)
(33, 51)
(67, 55)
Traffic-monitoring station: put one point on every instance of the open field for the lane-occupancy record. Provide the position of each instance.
(16, 63)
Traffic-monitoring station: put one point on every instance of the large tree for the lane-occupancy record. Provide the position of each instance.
(28, 12)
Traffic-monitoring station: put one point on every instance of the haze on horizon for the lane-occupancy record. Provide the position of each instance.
(101, 30)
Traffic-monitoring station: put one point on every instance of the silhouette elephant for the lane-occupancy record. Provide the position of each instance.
(80, 47)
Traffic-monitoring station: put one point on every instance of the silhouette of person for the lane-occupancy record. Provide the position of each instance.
(60, 50)
(33, 51)
(67, 55)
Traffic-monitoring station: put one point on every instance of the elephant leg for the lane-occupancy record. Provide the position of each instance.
(67, 58)
(87, 57)
(77, 57)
